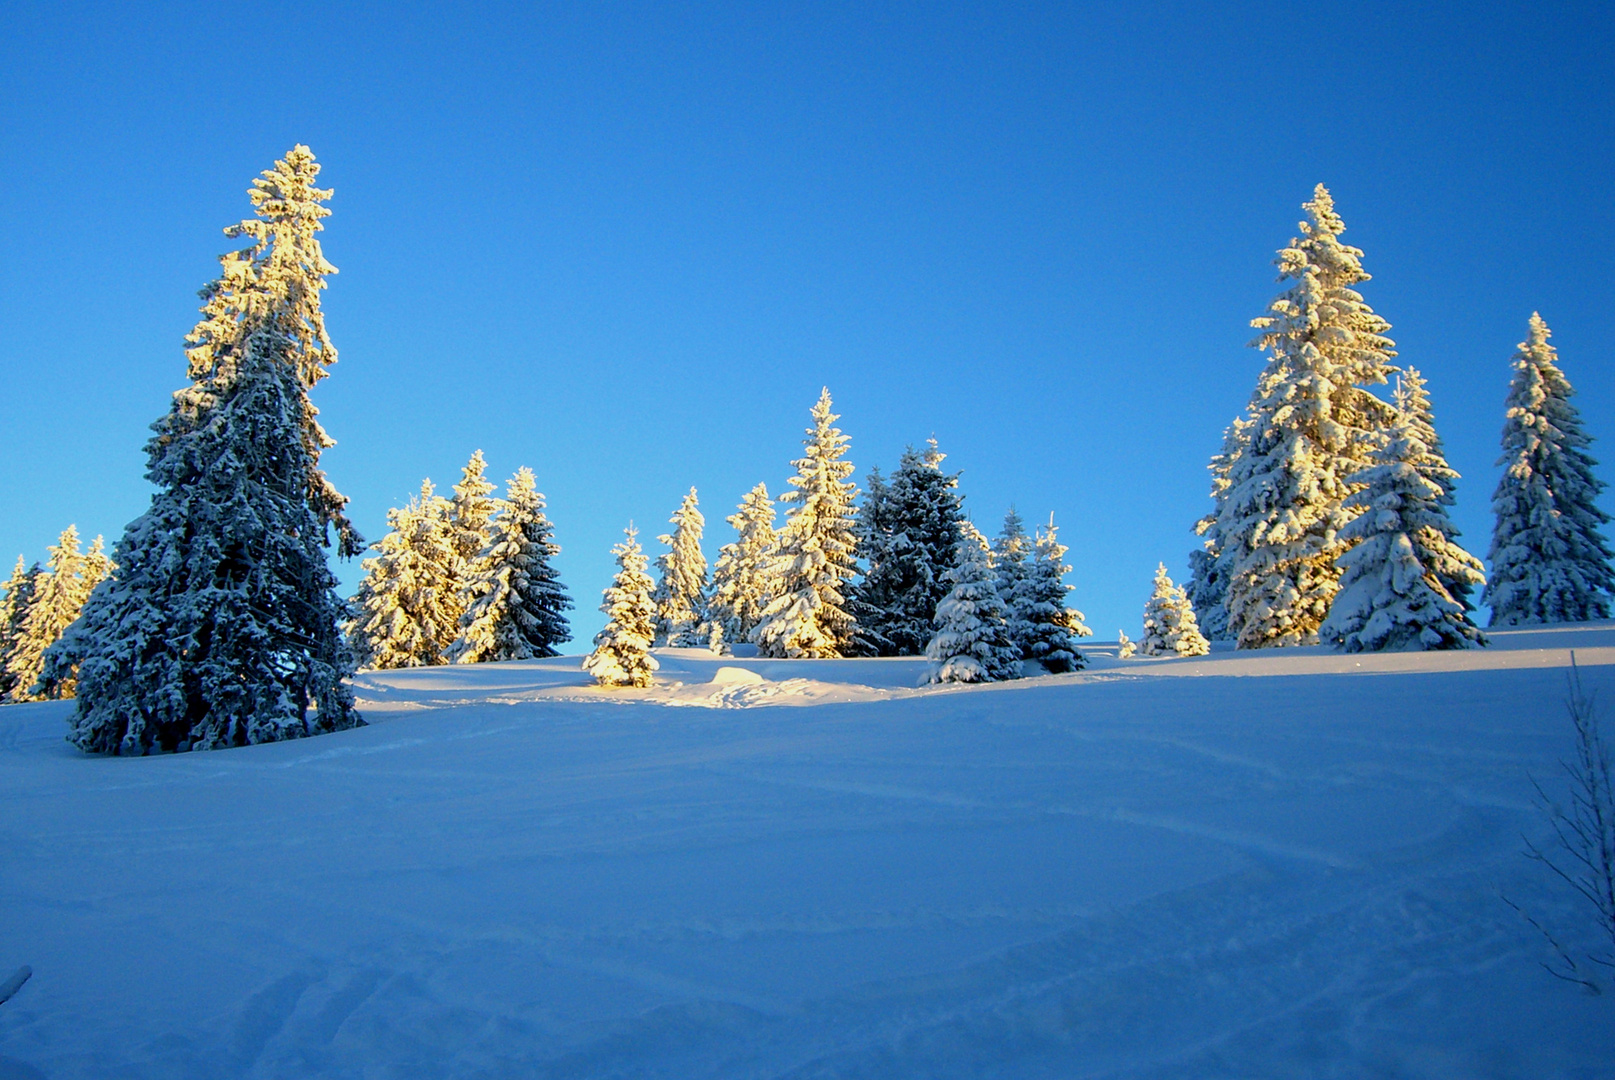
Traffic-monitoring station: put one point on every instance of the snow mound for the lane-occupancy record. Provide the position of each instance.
(733, 676)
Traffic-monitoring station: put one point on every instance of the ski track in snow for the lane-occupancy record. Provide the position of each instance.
(1244, 865)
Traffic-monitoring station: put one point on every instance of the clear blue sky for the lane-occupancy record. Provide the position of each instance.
(626, 245)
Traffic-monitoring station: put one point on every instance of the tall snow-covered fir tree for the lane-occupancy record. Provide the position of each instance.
(1412, 401)
(57, 597)
(273, 285)
(1459, 572)
(1208, 584)
(681, 594)
(515, 604)
(1550, 561)
(621, 655)
(1390, 597)
(1052, 628)
(808, 617)
(872, 530)
(19, 593)
(1170, 628)
(922, 512)
(97, 567)
(1011, 552)
(972, 641)
(741, 585)
(471, 512)
(220, 624)
(1286, 502)
(407, 615)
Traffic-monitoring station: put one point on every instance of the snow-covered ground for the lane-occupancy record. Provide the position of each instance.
(1285, 864)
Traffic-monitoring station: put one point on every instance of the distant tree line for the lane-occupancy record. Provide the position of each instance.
(216, 621)
(902, 572)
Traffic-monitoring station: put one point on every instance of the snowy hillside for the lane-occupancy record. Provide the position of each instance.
(1283, 864)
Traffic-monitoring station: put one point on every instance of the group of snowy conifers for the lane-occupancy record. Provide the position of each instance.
(216, 621)
(1331, 516)
(469, 579)
(462, 580)
(39, 604)
(902, 574)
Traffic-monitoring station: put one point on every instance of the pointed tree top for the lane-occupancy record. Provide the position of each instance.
(821, 409)
(1539, 332)
(1322, 212)
(1408, 394)
(522, 483)
(287, 187)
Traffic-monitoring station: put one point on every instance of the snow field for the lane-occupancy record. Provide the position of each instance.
(1272, 865)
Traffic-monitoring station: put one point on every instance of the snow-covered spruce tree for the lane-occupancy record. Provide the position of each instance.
(1389, 597)
(808, 617)
(1039, 604)
(220, 623)
(1459, 572)
(1550, 562)
(470, 526)
(1170, 628)
(1412, 403)
(219, 626)
(681, 594)
(741, 587)
(19, 593)
(514, 606)
(97, 567)
(94, 568)
(56, 600)
(1011, 552)
(58, 595)
(407, 613)
(1279, 529)
(1125, 646)
(972, 642)
(968, 531)
(273, 285)
(923, 510)
(1208, 584)
(621, 655)
(865, 598)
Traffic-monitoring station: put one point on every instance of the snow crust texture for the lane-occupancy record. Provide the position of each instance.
(1279, 863)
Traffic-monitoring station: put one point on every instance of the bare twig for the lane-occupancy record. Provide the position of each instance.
(1582, 854)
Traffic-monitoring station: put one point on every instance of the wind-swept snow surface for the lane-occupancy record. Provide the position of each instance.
(1279, 864)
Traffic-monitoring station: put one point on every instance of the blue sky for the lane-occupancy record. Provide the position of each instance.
(626, 244)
